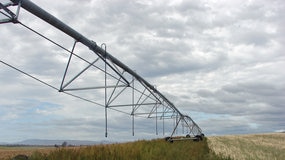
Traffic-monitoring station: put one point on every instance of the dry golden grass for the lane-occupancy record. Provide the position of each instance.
(9, 152)
(245, 147)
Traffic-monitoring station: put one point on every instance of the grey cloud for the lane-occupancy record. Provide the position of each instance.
(227, 126)
(261, 104)
(247, 93)
(257, 88)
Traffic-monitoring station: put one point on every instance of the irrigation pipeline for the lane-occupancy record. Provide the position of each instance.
(102, 53)
(42, 14)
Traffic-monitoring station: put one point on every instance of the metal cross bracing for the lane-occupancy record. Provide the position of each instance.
(115, 85)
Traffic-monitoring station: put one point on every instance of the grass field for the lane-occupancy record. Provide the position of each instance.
(235, 147)
(140, 150)
(9, 152)
(246, 147)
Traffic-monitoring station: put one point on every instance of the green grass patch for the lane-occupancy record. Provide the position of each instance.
(139, 150)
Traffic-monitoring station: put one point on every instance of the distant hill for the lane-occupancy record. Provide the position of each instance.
(3, 143)
(45, 142)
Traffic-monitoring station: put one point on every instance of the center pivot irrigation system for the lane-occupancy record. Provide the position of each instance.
(122, 89)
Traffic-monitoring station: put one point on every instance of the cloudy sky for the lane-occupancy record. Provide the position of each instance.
(221, 62)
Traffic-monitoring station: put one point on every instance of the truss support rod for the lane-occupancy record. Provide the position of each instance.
(67, 65)
(175, 128)
(90, 88)
(42, 14)
(163, 121)
(133, 107)
(79, 74)
(156, 130)
(106, 103)
(193, 124)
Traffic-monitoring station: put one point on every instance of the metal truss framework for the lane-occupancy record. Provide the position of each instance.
(143, 99)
